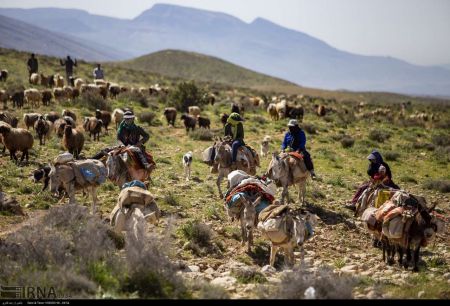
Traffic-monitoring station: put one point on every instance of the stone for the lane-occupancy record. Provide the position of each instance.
(194, 268)
(224, 281)
(420, 294)
(274, 280)
(349, 269)
(372, 294)
(268, 269)
(209, 271)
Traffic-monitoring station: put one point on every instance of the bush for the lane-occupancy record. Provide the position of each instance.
(187, 94)
(379, 136)
(201, 134)
(134, 96)
(92, 101)
(408, 179)
(347, 142)
(421, 145)
(391, 156)
(439, 185)
(326, 284)
(260, 119)
(146, 117)
(198, 233)
(441, 140)
(310, 128)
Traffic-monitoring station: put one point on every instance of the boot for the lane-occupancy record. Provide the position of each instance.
(313, 175)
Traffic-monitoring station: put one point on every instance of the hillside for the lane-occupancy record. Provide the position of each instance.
(18, 35)
(195, 250)
(199, 67)
(261, 46)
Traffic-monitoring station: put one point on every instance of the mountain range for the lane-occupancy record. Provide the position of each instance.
(261, 46)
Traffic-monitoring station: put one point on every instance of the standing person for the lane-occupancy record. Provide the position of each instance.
(69, 63)
(235, 129)
(130, 134)
(295, 140)
(32, 65)
(98, 73)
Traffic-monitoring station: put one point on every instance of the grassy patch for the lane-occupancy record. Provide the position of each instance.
(439, 185)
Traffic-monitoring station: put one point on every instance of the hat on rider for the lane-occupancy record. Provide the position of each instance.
(293, 122)
(128, 115)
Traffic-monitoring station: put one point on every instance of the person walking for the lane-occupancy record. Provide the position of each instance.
(69, 64)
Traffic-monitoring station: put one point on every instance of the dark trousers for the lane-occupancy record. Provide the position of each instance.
(234, 147)
(307, 158)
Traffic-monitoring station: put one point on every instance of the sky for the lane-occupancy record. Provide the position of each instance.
(417, 31)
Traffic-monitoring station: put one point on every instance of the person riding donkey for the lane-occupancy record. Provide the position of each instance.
(235, 129)
(130, 135)
(295, 141)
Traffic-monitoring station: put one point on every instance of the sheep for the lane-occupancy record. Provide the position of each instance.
(8, 118)
(69, 113)
(124, 89)
(203, 122)
(2, 123)
(58, 80)
(17, 98)
(171, 115)
(4, 97)
(93, 126)
(99, 82)
(281, 109)
(90, 88)
(73, 140)
(296, 112)
(189, 122)
(59, 125)
(117, 116)
(47, 81)
(272, 111)
(143, 90)
(16, 139)
(75, 93)
(224, 118)
(3, 75)
(321, 111)
(194, 110)
(46, 97)
(105, 116)
(68, 92)
(52, 117)
(59, 94)
(103, 90)
(30, 119)
(78, 82)
(43, 129)
(35, 79)
(33, 97)
(114, 90)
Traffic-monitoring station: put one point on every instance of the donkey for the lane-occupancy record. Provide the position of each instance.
(286, 171)
(423, 229)
(223, 158)
(63, 175)
(120, 173)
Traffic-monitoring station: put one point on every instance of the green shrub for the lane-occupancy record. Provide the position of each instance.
(439, 185)
(187, 94)
(441, 140)
(201, 134)
(134, 96)
(146, 117)
(197, 232)
(309, 128)
(391, 156)
(91, 101)
(347, 142)
(379, 135)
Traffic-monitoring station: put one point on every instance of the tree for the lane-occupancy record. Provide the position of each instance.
(187, 94)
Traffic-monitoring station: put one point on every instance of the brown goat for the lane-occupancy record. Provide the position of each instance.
(93, 126)
(73, 140)
(30, 118)
(16, 140)
(171, 114)
(105, 117)
(43, 129)
(203, 122)
(69, 113)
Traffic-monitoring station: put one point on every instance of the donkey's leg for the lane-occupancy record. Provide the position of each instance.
(219, 181)
(416, 258)
(250, 240)
(94, 199)
(273, 254)
(301, 192)
(285, 194)
(243, 230)
(70, 188)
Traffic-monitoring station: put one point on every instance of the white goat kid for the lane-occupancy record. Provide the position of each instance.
(187, 162)
(265, 146)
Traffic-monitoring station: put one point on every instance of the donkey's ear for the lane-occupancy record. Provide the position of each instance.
(257, 201)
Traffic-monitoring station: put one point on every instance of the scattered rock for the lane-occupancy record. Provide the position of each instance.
(372, 295)
(268, 269)
(349, 269)
(420, 294)
(193, 268)
(224, 281)
(209, 271)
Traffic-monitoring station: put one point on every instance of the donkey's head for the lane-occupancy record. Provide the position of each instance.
(249, 215)
(276, 167)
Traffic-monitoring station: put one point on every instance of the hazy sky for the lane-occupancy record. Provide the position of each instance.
(417, 31)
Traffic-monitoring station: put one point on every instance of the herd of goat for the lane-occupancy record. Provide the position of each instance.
(66, 127)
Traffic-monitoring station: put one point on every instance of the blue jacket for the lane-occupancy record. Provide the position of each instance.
(295, 142)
